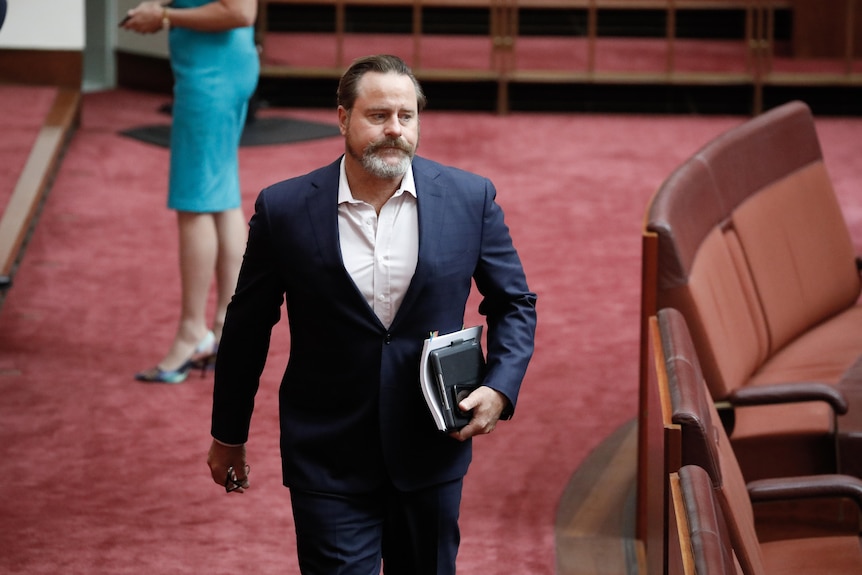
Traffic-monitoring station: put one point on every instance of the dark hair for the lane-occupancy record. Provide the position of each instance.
(382, 63)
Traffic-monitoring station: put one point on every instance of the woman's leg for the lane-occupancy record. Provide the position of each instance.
(231, 230)
(198, 249)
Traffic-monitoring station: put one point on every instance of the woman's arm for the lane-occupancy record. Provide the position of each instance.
(154, 15)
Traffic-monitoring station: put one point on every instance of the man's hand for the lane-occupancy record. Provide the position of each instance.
(228, 467)
(487, 405)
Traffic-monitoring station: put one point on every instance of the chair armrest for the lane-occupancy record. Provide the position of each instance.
(790, 393)
(806, 487)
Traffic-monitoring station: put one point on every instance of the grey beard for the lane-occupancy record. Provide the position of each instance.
(377, 166)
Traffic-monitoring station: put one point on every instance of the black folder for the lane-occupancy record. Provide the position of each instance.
(458, 369)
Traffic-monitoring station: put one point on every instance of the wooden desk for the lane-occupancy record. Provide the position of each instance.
(504, 67)
(827, 28)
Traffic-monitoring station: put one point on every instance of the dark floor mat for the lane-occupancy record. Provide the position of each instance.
(260, 132)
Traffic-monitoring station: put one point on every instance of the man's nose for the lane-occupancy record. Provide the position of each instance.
(393, 126)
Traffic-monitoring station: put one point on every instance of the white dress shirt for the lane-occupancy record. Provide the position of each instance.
(380, 251)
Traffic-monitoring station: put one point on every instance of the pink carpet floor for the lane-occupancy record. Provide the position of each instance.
(103, 475)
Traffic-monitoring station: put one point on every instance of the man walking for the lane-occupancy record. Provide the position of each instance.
(371, 254)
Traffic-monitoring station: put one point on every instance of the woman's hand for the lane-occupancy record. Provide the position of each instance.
(152, 16)
(146, 18)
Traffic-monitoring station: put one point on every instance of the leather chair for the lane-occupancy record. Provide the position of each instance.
(705, 545)
(706, 444)
(747, 239)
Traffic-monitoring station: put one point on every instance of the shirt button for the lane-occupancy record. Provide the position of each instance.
(388, 339)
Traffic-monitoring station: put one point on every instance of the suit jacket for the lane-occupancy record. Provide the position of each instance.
(351, 409)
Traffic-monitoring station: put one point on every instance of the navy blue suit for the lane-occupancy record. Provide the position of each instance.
(352, 413)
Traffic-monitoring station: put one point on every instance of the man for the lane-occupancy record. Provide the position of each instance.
(371, 254)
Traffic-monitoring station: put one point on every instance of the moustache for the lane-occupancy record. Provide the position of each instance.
(397, 143)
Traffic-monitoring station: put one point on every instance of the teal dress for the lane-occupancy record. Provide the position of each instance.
(215, 74)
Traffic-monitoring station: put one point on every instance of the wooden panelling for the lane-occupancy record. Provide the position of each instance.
(42, 67)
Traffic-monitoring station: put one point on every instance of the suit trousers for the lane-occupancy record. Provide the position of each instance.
(411, 533)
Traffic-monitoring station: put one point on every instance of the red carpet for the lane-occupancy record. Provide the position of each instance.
(107, 476)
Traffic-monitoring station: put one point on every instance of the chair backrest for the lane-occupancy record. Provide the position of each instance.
(704, 440)
(752, 246)
(706, 547)
(659, 454)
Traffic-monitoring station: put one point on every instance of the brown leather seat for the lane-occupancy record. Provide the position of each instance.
(751, 246)
(706, 445)
(706, 547)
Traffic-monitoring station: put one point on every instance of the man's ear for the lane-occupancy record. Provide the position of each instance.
(343, 119)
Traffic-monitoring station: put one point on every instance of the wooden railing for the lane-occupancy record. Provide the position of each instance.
(32, 184)
(756, 60)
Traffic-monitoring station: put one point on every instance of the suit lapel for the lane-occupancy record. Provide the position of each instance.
(430, 201)
(322, 206)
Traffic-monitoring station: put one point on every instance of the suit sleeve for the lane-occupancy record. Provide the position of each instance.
(253, 311)
(508, 304)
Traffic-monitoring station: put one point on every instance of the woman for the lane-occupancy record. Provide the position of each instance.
(215, 66)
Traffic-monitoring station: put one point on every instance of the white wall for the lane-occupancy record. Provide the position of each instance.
(44, 25)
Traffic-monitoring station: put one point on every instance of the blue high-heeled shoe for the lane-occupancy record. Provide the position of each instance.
(200, 358)
(207, 361)
(159, 375)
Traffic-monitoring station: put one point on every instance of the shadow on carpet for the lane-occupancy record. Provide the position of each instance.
(260, 132)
